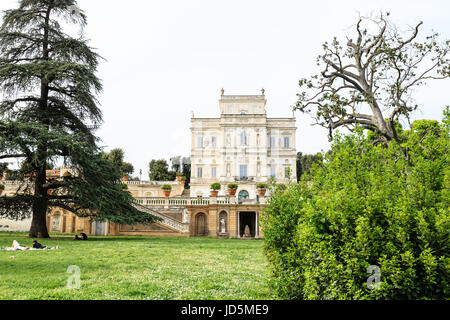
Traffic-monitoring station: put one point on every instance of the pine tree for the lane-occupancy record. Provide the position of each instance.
(49, 112)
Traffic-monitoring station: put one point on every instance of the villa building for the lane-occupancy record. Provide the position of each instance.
(242, 146)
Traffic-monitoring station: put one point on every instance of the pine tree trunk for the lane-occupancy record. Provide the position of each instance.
(40, 206)
(39, 223)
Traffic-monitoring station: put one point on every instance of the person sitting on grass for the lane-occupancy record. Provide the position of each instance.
(37, 245)
(85, 237)
(77, 237)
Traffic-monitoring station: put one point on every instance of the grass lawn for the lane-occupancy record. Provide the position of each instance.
(135, 268)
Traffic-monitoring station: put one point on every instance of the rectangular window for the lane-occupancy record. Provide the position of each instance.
(199, 172)
(243, 171)
(213, 172)
(243, 138)
(286, 142)
(213, 142)
(272, 142)
(200, 142)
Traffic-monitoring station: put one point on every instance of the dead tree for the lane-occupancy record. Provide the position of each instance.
(369, 81)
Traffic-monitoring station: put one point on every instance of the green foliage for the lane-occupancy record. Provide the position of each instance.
(124, 186)
(261, 186)
(2, 186)
(159, 171)
(116, 156)
(305, 162)
(166, 187)
(232, 186)
(216, 186)
(366, 205)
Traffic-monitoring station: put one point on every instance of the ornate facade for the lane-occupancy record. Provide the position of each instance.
(243, 146)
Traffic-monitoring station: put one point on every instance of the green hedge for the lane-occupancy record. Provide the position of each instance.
(363, 206)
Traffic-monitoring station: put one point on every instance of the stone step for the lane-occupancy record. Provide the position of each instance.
(166, 220)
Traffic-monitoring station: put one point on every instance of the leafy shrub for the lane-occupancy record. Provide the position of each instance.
(366, 205)
(2, 186)
(232, 186)
(124, 186)
(216, 186)
(166, 187)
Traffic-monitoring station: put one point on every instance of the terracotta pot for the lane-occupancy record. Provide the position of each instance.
(262, 192)
(167, 193)
(126, 178)
(1, 191)
(232, 192)
(179, 178)
(214, 193)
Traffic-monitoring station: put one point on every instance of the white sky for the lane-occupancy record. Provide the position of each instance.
(166, 58)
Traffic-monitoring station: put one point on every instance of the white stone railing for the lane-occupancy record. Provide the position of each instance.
(189, 201)
(151, 183)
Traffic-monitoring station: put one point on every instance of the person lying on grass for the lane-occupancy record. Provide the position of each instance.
(36, 246)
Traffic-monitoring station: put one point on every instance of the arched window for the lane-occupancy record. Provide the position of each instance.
(243, 195)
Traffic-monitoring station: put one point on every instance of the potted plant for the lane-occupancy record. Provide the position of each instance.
(215, 187)
(179, 176)
(262, 188)
(183, 179)
(2, 188)
(167, 188)
(232, 187)
(126, 178)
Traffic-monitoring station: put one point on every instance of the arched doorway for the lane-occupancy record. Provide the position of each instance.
(201, 225)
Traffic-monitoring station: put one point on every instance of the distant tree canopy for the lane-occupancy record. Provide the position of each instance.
(366, 206)
(370, 79)
(159, 171)
(305, 163)
(117, 156)
(183, 165)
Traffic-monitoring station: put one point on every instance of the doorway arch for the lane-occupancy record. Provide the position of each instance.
(201, 224)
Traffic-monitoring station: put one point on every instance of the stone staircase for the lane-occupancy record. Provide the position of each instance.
(167, 221)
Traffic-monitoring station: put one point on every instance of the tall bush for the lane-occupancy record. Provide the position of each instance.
(362, 206)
